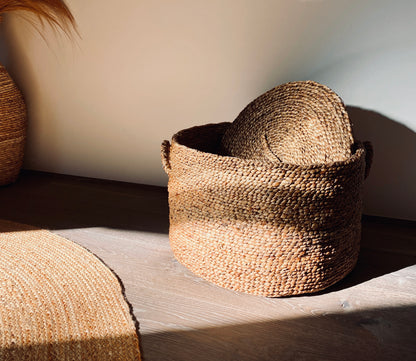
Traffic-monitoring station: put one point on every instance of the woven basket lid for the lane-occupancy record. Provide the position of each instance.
(300, 123)
(59, 302)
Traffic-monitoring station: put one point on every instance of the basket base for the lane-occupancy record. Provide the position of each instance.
(266, 271)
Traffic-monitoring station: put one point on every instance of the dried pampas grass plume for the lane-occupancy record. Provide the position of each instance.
(53, 12)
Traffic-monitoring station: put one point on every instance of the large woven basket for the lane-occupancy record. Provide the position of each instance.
(12, 129)
(265, 228)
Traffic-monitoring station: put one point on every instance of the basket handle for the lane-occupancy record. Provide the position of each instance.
(165, 152)
(369, 153)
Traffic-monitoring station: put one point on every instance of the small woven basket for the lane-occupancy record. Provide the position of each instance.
(260, 227)
(12, 129)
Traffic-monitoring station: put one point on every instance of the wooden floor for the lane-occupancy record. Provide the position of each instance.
(371, 315)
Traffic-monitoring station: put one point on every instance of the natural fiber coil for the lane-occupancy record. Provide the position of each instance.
(272, 229)
(12, 129)
(59, 302)
(300, 123)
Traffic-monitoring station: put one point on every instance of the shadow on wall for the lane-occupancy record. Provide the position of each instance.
(381, 334)
(391, 187)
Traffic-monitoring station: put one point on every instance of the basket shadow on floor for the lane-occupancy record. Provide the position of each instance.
(380, 334)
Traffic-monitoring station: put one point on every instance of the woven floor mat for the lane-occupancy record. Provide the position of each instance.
(59, 302)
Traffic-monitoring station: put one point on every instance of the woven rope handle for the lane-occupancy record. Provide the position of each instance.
(369, 153)
(165, 151)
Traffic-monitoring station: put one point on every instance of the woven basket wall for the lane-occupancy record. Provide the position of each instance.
(12, 129)
(271, 229)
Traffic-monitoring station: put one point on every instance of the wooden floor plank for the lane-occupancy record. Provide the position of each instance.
(371, 315)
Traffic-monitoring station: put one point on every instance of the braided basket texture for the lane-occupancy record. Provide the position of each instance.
(12, 129)
(261, 227)
(301, 122)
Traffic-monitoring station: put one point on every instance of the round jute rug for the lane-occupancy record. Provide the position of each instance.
(59, 302)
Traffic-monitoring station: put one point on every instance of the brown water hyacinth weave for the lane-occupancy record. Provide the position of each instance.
(261, 227)
(59, 302)
(12, 129)
(300, 123)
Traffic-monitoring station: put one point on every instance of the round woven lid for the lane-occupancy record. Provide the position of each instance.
(298, 123)
(59, 302)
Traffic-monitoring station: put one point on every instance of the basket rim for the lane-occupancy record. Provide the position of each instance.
(356, 155)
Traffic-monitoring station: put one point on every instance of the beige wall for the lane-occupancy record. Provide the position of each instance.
(143, 69)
